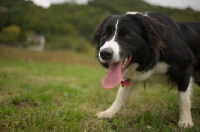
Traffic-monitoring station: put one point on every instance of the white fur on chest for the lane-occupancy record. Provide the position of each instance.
(156, 74)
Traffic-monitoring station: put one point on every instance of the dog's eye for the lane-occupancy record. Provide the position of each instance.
(105, 36)
(127, 36)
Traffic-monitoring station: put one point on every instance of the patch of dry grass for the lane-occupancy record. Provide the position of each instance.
(66, 57)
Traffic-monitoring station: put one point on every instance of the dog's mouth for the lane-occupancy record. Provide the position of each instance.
(126, 63)
(115, 72)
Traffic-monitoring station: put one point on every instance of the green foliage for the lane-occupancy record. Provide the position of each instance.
(10, 34)
(75, 22)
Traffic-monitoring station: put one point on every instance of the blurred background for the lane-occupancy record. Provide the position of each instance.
(50, 79)
(69, 24)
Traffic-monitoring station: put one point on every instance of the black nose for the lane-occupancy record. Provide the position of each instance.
(106, 53)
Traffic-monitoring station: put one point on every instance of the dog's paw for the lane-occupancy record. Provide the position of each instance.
(185, 124)
(105, 114)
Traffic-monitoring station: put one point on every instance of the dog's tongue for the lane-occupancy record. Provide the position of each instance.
(113, 75)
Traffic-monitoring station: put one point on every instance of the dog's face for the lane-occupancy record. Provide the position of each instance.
(126, 39)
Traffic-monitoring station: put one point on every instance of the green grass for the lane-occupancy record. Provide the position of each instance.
(38, 96)
(44, 96)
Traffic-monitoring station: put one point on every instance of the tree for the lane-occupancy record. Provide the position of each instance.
(10, 35)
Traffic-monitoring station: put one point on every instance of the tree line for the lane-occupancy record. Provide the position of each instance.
(69, 26)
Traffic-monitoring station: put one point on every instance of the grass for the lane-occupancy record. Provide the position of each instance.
(51, 91)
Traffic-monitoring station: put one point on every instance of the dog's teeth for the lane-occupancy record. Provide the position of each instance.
(125, 62)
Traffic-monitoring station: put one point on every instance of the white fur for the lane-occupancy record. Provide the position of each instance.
(157, 74)
(114, 45)
(185, 106)
(132, 12)
(135, 12)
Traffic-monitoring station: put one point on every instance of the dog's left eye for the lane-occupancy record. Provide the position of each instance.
(127, 36)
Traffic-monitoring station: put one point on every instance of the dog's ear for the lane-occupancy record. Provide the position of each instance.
(155, 34)
(154, 31)
(97, 33)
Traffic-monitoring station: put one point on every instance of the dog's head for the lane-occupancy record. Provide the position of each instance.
(126, 39)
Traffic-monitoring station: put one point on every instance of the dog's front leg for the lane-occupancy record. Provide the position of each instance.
(122, 96)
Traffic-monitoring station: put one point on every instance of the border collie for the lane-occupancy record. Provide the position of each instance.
(138, 47)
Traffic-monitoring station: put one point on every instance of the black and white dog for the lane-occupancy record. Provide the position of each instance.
(138, 47)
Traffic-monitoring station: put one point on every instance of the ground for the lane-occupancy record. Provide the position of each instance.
(61, 91)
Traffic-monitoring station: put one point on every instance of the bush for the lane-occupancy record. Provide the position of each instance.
(10, 35)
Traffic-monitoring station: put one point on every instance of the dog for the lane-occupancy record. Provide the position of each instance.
(139, 47)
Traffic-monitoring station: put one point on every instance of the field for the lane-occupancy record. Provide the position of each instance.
(45, 91)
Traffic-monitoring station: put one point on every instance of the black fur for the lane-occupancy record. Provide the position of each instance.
(156, 38)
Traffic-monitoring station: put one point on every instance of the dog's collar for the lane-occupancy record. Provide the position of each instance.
(126, 82)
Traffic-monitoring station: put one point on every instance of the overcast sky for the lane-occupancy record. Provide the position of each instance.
(194, 4)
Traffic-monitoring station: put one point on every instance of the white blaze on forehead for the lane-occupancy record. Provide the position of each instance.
(132, 13)
(135, 12)
(113, 45)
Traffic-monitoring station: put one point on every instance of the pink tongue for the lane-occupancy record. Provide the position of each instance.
(113, 75)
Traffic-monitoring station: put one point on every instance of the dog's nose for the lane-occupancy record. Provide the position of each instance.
(106, 53)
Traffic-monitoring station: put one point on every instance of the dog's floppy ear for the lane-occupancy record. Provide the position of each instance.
(154, 31)
(97, 33)
(155, 34)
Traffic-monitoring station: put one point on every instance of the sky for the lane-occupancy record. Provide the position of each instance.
(182, 4)
(47, 3)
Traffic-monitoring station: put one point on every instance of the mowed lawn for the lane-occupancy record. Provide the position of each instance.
(44, 91)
